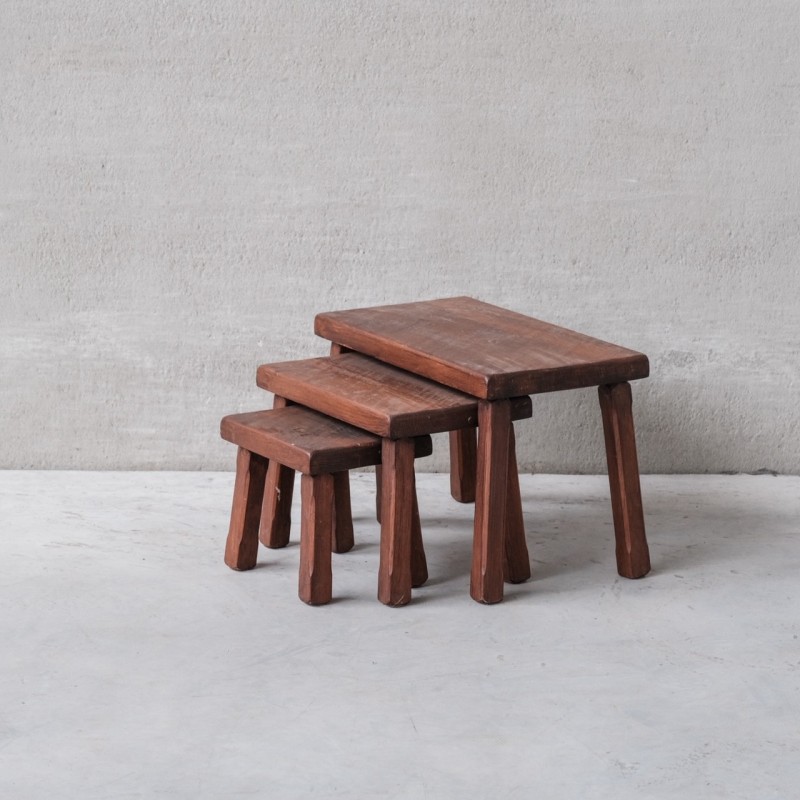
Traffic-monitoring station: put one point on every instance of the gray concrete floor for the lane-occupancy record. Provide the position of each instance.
(136, 665)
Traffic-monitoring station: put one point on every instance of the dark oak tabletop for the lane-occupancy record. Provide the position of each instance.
(484, 350)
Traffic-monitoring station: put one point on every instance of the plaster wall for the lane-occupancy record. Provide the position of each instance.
(184, 184)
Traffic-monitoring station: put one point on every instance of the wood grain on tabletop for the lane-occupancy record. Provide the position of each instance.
(482, 349)
(375, 396)
(306, 441)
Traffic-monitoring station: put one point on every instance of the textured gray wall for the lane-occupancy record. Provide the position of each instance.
(185, 184)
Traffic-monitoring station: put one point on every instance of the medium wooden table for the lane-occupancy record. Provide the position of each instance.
(397, 406)
(494, 354)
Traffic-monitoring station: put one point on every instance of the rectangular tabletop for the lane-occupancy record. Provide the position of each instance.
(374, 396)
(482, 349)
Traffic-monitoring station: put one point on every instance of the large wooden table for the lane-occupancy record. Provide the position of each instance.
(494, 354)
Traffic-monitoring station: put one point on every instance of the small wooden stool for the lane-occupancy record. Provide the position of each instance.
(323, 450)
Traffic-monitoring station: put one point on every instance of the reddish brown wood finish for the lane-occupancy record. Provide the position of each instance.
(241, 547)
(370, 395)
(394, 580)
(481, 349)
(378, 491)
(306, 441)
(492, 353)
(376, 397)
(419, 564)
(311, 441)
(517, 563)
(381, 399)
(462, 458)
(343, 517)
(316, 579)
(633, 555)
(494, 428)
(463, 465)
(276, 513)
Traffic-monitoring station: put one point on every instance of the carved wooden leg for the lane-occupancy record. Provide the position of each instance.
(343, 515)
(241, 547)
(463, 463)
(394, 580)
(494, 425)
(517, 564)
(276, 513)
(419, 564)
(316, 579)
(633, 556)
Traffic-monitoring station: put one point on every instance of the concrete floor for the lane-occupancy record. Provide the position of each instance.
(135, 665)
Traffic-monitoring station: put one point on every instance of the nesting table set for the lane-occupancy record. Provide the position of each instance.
(396, 375)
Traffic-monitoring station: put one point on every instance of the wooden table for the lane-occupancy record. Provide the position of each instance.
(494, 354)
(398, 406)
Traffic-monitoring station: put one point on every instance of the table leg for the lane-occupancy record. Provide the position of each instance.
(241, 547)
(339, 349)
(276, 513)
(494, 426)
(397, 487)
(633, 556)
(517, 565)
(378, 491)
(463, 455)
(419, 564)
(316, 579)
(342, 513)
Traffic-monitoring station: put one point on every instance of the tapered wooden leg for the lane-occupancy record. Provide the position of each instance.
(633, 555)
(343, 515)
(378, 491)
(316, 579)
(394, 579)
(517, 564)
(241, 547)
(419, 564)
(276, 513)
(494, 425)
(463, 464)
(343, 521)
